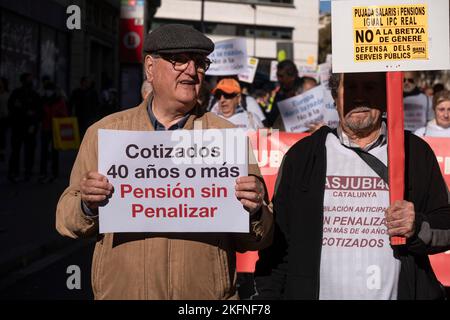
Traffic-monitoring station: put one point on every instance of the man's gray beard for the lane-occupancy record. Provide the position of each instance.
(361, 125)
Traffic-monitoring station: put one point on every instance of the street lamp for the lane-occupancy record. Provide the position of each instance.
(202, 17)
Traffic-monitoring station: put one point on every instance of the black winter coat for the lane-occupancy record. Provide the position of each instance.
(290, 268)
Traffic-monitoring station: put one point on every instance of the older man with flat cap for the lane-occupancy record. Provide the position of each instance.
(162, 265)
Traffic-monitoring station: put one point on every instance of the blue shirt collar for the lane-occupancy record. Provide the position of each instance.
(159, 126)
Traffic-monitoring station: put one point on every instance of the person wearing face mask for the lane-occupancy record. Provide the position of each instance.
(440, 125)
(228, 95)
(417, 105)
(162, 265)
(24, 106)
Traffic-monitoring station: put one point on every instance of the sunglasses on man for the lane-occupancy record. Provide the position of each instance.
(227, 96)
(410, 80)
(180, 61)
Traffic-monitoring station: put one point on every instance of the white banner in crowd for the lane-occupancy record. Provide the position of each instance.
(228, 58)
(417, 109)
(173, 181)
(307, 71)
(311, 107)
(273, 70)
(331, 117)
(324, 70)
(249, 74)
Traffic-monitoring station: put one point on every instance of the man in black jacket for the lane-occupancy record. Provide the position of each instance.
(333, 217)
(25, 109)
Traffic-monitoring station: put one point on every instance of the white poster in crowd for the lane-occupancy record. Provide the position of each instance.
(273, 70)
(310, 72)
(324, 70)
(173, 181)
(417, 111)
(331, 117)
(228, 58)
(311, 107)
(249, 74)
(390, 35)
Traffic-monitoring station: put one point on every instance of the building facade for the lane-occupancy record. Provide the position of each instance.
(268, 25)
(95, 48)
(34, 38)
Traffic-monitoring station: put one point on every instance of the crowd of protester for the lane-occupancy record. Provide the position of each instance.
(27, 112)
(26, 122)
(258, 107)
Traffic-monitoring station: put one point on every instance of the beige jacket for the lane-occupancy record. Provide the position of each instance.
(155, 265)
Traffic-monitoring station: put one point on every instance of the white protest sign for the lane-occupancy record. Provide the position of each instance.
(173, 181)
(331, 117)
(249, 74)
(310, 107)
(416, 109)
(228, 58)
(324, 70)
(390, 35)
(273, 70)
(307, 71)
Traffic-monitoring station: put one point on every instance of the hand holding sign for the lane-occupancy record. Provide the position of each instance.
(95, 189)
(173, 181)
(400, 218)
(250, 192)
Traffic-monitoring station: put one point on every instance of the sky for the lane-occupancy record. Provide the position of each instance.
(325, 5)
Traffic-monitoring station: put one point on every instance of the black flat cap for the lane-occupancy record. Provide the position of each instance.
(177, 38)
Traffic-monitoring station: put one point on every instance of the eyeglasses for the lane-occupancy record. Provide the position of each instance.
(410, 80)
(180, 61)
(227, 96)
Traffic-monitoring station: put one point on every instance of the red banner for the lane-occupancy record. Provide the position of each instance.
(441, 262)
(270, 147)
(131, 30)
(131, 41)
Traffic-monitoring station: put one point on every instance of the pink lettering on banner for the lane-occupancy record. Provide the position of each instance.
(354, 194)
(352, 243)
(355, 221)
(355, 183)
